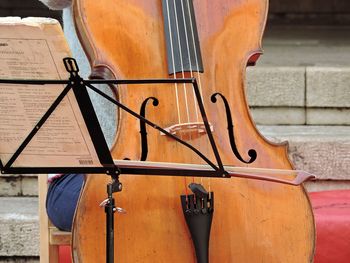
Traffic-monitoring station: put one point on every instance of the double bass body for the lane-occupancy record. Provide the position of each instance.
(254, 221)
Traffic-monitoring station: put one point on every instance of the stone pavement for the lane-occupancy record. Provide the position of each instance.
(299, 91)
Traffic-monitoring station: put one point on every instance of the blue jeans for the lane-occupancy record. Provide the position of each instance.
(62, 198)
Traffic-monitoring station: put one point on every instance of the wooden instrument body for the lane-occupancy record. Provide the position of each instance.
(253, 221)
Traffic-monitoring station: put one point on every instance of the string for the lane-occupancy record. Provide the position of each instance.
(195, 55)
(190, 64)
(181, 61)
(176, 86)
(198, 76)
(189, 56)
(173, 63)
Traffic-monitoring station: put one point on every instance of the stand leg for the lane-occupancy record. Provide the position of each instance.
(110, 210)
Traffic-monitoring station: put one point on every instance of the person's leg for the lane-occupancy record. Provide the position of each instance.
(62, 198)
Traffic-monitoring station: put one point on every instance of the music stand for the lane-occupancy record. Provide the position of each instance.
(79, 87)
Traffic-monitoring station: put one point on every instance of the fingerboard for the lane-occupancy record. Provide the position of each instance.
(183, 48)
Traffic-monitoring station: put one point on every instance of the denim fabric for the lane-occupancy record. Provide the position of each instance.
(62, 198)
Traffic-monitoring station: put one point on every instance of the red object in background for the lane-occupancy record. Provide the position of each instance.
(332, 216)
(64, 254)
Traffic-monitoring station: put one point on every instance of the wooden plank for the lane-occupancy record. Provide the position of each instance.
(58, 237)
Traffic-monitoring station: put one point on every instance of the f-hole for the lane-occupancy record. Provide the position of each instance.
(252, 153)
(143, 131)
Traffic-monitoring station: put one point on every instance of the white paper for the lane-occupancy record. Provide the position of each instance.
(35, 51)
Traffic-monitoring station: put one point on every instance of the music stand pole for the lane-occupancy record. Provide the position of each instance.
(110, 209)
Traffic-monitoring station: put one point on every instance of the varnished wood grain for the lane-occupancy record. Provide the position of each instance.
(253, 221)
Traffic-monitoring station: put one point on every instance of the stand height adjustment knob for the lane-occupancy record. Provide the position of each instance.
(71, 65)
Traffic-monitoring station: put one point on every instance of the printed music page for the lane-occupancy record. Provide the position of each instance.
(33, 48)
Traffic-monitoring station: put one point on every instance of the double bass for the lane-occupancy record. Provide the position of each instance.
(213, 42)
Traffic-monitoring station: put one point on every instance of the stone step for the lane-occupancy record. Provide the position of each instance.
(306, 46)
(321, 150)
(20, 259)
(19, 228)
(303, 77)
(18, 185)
(299, 96)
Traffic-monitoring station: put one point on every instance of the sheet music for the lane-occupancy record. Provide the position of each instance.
(34, 50)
